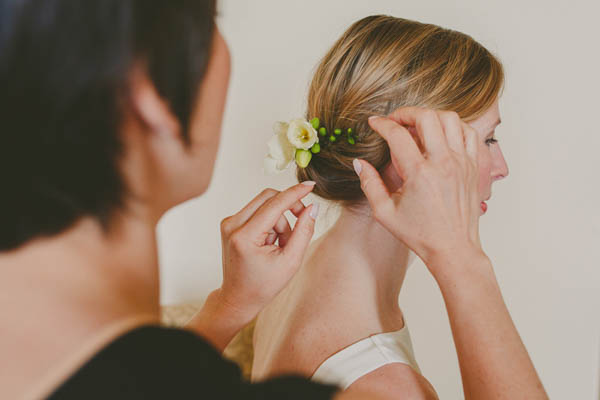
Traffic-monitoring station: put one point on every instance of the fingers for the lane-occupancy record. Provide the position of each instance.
(297, 208)
(267, 215)
(246, 213)
(372, 185)
(281, 230)
(471, 144)
(453, 128)
(301, 235)
(416, 138)
(271, 238)
(428, 127)
(403, 150)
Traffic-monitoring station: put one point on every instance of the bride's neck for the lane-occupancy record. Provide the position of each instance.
(358, 252)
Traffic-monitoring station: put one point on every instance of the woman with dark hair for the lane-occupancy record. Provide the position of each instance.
(104, 129)
(111, 114)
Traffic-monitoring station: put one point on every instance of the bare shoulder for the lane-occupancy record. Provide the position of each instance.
(390, 381)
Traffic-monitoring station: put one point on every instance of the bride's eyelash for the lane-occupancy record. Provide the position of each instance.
(491, 141)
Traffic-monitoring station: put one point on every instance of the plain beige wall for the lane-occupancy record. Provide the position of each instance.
(542, 230)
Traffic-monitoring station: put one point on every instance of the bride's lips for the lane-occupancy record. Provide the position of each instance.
(484, 206)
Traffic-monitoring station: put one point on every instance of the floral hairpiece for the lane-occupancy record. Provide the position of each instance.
(298, 140)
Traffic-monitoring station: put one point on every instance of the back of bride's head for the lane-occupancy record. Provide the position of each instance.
(379, 64)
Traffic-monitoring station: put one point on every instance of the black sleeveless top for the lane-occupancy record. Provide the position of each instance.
(153, 362)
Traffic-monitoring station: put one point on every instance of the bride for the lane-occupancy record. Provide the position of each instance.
(338, 320)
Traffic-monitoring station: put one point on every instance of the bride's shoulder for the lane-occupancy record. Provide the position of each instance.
(293, 336)
(391, 379)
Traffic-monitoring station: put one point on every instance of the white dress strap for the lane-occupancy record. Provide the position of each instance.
(366, 355)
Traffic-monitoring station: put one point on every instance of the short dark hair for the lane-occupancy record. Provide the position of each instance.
(64, 69)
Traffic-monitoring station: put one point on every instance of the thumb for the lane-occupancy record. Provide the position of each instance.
(301, 235)
(373, 187)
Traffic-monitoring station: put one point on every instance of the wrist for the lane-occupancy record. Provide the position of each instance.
(238, 309)
(459, 265)
(218, 321)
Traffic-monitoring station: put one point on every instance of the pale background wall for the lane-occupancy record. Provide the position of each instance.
(542, 230)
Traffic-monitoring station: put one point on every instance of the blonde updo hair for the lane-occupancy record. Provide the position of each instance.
(379, 64)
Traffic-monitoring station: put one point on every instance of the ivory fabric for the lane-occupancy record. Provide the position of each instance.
(366, 355)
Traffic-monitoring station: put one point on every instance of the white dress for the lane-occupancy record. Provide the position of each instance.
(366, 355)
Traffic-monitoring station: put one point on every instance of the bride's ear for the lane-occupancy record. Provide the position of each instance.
(391, 178)
(152, 110)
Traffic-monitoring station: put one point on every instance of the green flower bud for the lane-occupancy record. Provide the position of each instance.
(322, 131)
(351, 140)
(349, 131)
(315, 148)
(337, 131)
(315, 123)
(303, 157)
(332, 138)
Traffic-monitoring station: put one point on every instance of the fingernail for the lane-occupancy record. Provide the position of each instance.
(357, 166)
(309, 183)
(373, 118)
(314, 211)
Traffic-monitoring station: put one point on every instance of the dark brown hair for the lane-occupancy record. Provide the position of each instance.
(64, 68)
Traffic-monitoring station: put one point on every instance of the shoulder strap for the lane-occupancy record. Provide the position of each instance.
(366, 355)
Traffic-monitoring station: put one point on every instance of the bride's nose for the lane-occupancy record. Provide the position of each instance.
(500, 168)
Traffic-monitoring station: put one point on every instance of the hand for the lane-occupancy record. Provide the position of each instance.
(436, 210)
(436, 213)
(255, 269)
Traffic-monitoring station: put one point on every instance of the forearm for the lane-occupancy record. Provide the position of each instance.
(493, 361)
(217, 322)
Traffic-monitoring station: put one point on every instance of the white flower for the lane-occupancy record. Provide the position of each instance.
(301, 134)
(281, 151)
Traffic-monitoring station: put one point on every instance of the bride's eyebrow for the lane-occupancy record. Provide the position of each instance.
(494, 125)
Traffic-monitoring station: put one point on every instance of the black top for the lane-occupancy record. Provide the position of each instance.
(154, 362)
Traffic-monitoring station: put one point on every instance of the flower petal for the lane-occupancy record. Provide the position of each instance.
(273, 165)
(301, 134)
(270, 165)
(280, 148)
(279, 127)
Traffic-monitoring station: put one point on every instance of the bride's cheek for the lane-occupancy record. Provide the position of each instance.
(484, 166)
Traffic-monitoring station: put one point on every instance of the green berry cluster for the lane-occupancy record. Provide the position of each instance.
(303, 157)
(333, 137)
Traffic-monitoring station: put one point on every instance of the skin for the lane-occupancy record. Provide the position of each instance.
(491, 162)
(357, 255)
(82, 288)
(66, 296)
(440, 188)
